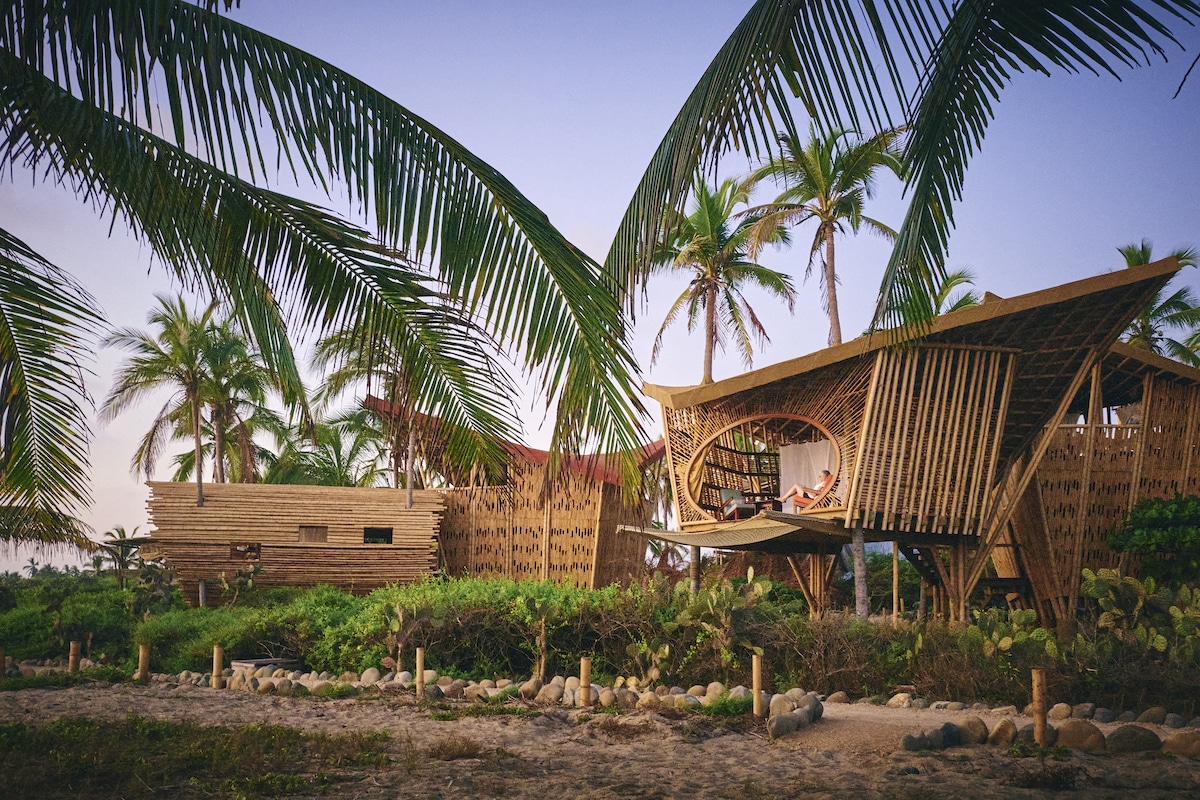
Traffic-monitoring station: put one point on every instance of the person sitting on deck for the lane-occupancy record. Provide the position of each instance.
(803, 496)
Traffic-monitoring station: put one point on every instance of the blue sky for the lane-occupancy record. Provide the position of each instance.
(569, 101)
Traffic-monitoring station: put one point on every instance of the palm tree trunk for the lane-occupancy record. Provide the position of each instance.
(862, 606)
(835, 322)
(694, 569)
(710, 331)
(410, 467)
(199, 453)
(218, 447)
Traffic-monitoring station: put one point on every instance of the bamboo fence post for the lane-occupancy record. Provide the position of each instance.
(756, 682)
(73, 658)
(585, 681)
(143, 670)
(201, 594)
(419, 673)
(1039, 707)
(218, 665)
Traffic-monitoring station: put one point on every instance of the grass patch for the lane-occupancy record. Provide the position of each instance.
(725, 706)
(73, 756)
(63, 680)
(504, 694)
(453, 713)
(335, 691)
(1026, 748)
(454, 748)
(1057, 777)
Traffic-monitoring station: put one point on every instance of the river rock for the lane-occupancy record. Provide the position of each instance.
(1174, 721)
(649, 702)
(1194, 722)
(685, 701)
(370, 675)
(1153, 716)
(530, 688)
(550, 694)
(488, 683)
(627, 699)
(503, 683)
(608, 698)
(973, 730)
(284, 687)
(404, 678)
(901, 700)
(1132, 739)
(571, 683)
(1059, 711)
(453, 691)
(914, 742)
(348, 677)
(1184, 743)
(279, 672)
(739, 693)
(1005, 711)
(795, 693)
(266, 687)
(919, 703)
(781, 704)
(1079, 734)
(431, 676)
(1127, 716)
(954, 705)
(812, 705)
(1104, 715)
(1025, 734)
(1003, 734)
(661, 691)
(697, 691)
(1083, 711)
(783, 724)
(715, 688)
(433, 691)
(838, 697)
(476, 694)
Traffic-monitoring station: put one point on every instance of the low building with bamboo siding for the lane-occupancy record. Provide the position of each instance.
(362, 539)
(949, 442)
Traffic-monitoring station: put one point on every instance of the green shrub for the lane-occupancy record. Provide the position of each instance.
(28, 632)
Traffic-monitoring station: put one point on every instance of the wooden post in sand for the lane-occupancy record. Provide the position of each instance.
(585, 681)
(218, 665)
(756, 682)
(73, 659)
(1039, 707)
(419, 673)
(143, 670)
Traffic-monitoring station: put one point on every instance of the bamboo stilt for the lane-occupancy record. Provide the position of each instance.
(585, 681)
(143, 670)
(895, 583)
(73, 658)
(1039, 707)
(419, 674)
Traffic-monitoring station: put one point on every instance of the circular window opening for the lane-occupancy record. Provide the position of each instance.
(749, 466)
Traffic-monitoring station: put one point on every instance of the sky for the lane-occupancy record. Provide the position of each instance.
(569, 101)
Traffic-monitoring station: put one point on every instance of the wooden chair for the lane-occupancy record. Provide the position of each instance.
(731, 508)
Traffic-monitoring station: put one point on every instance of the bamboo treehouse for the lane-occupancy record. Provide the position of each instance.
(933, 442)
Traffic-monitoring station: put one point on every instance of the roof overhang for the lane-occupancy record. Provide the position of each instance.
(767, 532)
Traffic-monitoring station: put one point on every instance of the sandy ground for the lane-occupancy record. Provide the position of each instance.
(852, 752)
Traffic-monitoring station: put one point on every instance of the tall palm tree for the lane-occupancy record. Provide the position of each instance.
(1165, 314)
(714, 249)
(826, 180)
(168, 113)
(118, 551)
(345, 450)
(235, 384)
(937, 69)
(174, 356)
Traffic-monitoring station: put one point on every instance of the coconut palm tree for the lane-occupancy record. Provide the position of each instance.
(118, 552)
(937, 69)
(167, 114)
(1165, 315)
(174, 356)
(825, 180)
(713, 248)
(345, 450)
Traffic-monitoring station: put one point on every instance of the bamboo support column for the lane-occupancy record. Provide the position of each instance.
(218, 665)
(756, 683)
(202, 594)
(73, 658)
(585, 681)
(1039, 707)
(143, 670)
(419, 673)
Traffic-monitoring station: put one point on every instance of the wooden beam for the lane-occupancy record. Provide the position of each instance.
(1079, 529)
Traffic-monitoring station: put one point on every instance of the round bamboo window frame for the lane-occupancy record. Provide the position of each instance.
(702, 453)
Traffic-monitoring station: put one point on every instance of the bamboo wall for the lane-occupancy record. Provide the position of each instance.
(927, 459)
(201, 542)
(834, 399)
(500, 532)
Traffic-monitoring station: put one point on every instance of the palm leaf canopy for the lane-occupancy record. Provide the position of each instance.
(935, 68)
(170, 115)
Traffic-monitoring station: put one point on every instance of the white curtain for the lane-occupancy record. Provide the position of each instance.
(802, 463)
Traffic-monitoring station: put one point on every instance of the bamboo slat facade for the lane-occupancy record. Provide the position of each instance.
(296, 535)
(1098, 466)
(939, 437)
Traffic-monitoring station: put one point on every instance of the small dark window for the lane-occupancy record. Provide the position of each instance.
(377, 535)
(314, 533)
(244, 551)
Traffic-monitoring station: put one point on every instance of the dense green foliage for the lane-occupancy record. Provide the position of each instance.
(1166, 533)
(1141, 651)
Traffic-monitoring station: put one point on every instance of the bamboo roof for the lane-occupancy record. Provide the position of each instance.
(1053, 331)
(1124, 369)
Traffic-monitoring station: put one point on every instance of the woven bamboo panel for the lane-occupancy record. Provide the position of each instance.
(501, 531)
(1168, 440)
(832, 398)
(930, 444)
